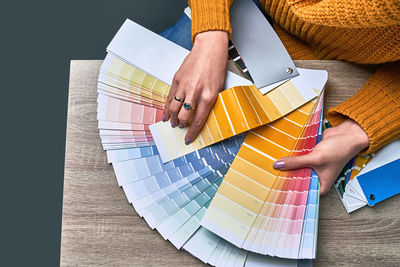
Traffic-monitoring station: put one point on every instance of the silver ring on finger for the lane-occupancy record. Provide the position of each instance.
(178, 99)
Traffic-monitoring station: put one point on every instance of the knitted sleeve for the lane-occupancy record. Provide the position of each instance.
(376, 107)
(344, 13)
(210, 15)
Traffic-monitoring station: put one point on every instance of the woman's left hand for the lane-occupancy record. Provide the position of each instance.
(338, 145)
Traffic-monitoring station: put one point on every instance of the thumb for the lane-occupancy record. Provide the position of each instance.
(293, 162)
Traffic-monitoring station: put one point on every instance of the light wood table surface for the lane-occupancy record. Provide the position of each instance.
(100, 227)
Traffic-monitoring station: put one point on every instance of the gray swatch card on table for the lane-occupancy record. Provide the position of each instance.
(260, 47)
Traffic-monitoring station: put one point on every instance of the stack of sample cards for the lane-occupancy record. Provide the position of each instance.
(179, 189)
(369, 179)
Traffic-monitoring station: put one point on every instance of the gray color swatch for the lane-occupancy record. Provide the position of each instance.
(260, 48)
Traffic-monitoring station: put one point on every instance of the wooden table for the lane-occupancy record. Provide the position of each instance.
(100, 227)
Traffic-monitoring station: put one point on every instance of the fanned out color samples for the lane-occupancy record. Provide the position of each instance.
(123, 80)
(173, 197)
(237, 110)
(265, 210)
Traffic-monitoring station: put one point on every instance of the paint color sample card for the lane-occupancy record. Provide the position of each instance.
(262, 209)
(112, 109)
(252, 34)
(118, 77)
(237, 110)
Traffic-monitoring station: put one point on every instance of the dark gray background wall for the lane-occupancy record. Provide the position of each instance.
(37, 41)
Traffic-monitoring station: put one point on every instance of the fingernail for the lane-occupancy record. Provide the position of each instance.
(173, 124)
(163, 117)
(180, 126)
(278, 165)
(187, 141)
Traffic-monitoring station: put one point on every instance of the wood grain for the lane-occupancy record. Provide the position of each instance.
(100, 228)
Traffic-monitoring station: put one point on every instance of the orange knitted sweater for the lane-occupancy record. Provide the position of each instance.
(361, 31)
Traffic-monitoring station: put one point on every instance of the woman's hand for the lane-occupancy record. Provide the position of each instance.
(198, 82)
(338, 145)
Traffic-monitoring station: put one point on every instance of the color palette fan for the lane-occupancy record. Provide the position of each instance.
(360, 183)
(179, 193)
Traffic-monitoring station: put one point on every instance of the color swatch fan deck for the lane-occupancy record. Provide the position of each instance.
(218, 198)
(360, 183)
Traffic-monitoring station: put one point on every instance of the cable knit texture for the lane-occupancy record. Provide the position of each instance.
(360, 31)
(376, 108)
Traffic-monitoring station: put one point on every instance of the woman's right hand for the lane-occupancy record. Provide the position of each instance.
(338, 145)
(197, 82)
